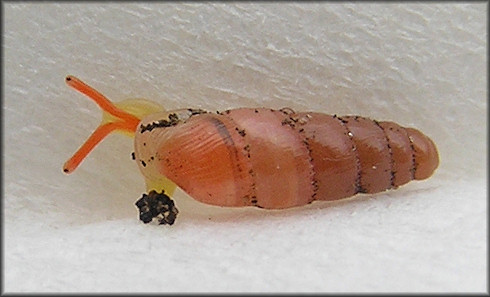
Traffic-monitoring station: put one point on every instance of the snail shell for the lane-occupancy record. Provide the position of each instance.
(279, 158)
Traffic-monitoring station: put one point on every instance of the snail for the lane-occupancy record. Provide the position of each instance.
(262, 157)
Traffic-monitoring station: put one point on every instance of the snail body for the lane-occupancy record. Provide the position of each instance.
(261, 157)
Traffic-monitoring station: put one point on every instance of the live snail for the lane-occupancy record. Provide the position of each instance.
(257, 156)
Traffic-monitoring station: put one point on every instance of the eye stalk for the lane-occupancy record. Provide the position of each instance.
(122, 117)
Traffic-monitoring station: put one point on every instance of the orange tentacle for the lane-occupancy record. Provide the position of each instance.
(96, 137)
(100, 99)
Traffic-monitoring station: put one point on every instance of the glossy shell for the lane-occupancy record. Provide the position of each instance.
(279, 158)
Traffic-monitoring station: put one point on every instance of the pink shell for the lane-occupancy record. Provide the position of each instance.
(280, 159)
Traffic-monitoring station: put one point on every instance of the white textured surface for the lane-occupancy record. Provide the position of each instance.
(422, 65)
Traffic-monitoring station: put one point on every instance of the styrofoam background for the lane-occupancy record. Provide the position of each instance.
(421, 65)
